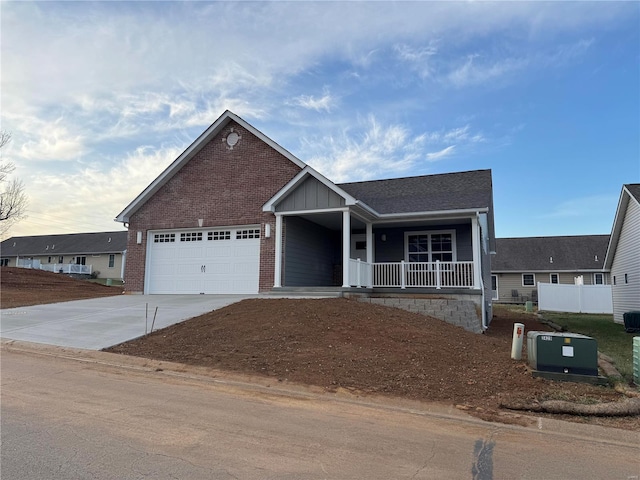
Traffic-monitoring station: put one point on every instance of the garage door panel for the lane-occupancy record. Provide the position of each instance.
(245, 268)
(222, 251)
(231, 263)
(189, 253)
(164, 269)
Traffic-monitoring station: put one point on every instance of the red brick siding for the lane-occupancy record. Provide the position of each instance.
(221, 186)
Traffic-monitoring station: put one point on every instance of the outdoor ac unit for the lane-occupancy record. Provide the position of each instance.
(564, 353)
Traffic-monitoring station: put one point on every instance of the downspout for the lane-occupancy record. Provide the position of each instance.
(484, 310)
(485, 326)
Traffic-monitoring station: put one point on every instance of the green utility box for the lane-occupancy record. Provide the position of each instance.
(564, 353)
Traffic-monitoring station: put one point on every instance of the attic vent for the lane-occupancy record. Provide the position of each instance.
(550, 259)
(53, 246)
(596, 258)
(47, 247)
(109, 241)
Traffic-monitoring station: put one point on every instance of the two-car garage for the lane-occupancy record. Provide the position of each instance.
(207, 261)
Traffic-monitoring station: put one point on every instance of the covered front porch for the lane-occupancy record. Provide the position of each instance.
(341, 249)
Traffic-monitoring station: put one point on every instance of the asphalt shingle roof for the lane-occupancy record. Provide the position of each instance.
(76, 243)
(570, 253)
(634, 189)
(428, 193)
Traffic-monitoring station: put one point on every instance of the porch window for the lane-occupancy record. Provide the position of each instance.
(112, 260)
(598, 279)
(554, 278)
(81, 260)
(430, 246)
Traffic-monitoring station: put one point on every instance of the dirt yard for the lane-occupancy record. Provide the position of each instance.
(344, 346)
(20, 287)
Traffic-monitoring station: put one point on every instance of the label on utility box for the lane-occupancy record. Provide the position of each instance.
(546, 338)
(567, 351)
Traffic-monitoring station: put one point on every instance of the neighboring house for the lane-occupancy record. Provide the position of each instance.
(521, 263)
(236, 213)
(101, 254)
(623, 253)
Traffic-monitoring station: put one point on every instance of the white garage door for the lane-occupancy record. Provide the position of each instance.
(208, 261)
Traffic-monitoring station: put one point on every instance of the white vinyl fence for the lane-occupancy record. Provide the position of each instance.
(556, 297)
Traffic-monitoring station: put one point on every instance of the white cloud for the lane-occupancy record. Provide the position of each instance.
(377, 150)
(50, 141)
(324, 103)
(445, 152)
(89, 198)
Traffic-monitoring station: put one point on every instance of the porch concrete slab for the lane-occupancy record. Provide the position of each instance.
(102, 322)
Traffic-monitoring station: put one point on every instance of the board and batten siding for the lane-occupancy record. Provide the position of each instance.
(626, 260)
(310, 195)
(310, 254)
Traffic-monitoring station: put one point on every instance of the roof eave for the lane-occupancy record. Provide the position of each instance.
(621, 210)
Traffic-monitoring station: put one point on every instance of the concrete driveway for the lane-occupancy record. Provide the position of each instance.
(101, 322)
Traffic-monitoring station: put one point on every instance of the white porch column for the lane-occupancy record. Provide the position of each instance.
(346, 247)
(477, 252)
(369, 279)
(277, 272)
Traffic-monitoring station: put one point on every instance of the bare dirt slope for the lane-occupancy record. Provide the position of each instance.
(340, 345)
(20, 287)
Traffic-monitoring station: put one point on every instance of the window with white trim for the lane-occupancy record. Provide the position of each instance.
(219, 235)
(528, 279)
(554, 278)
(598, 278)
(430, 246)
(191, 237)
(112, 260)
(250, 233)
(164, 238)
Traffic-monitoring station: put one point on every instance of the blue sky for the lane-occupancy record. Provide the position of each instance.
(101, 97)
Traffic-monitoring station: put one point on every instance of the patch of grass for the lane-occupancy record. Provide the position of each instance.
(611, 337)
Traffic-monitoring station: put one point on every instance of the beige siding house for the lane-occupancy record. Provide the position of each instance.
(101, 255)
(623, 253)
(521, 263)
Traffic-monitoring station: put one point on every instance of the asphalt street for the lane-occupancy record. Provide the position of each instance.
(70, 413)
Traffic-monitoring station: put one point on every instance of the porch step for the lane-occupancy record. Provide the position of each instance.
(307, 291)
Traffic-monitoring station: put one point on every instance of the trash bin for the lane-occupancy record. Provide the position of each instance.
(631, 322)
(528, 306)
(109, 282)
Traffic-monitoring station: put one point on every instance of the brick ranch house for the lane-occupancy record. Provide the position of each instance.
(236, 213)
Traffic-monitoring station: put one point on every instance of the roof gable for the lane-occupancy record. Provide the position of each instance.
(75, 243)
(191, 151)
(563, 253)
(295, 195)
(630, 193)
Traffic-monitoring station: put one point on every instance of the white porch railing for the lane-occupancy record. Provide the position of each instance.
(56, 267)
(360, 273)
(412, 274)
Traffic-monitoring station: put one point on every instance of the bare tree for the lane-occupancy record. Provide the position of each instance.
(13, 199)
